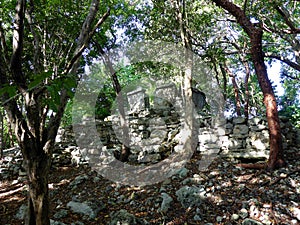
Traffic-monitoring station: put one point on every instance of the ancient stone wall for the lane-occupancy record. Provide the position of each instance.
(154, 135)
(155, 130)
(250, 139)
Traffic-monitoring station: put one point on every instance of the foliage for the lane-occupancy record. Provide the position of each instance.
(7, 138)
(67, 117)
(289, 103)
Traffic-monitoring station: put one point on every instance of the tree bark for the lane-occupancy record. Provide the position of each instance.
(125, 149)
(189, 141)
(38, 202)
(255, 34)
(2, 134)
(247, 96)
(236, 91)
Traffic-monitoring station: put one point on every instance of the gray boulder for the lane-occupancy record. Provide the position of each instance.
(86, 208)
(166, 203)
(190, 196)
(122, 217)
(251, 222)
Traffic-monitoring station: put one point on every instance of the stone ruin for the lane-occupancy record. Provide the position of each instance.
(137, 100)
(155, 130)
(165, 96)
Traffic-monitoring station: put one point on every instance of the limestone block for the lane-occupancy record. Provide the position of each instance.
(254, 121)
(259, 145)
(153, 158)
(161, 134)
(165, 94)
(258, 127)
(259, 140)
(240, 129)
(151, 148)
(221, 131)
(179, 148)
(207, 138)
(224, 141)
(235, 144)
(239, 120)
(238, 136)
(246, 153)
(136, 100)
(228, 128)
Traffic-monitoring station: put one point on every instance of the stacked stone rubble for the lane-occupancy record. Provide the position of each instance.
(154, 135)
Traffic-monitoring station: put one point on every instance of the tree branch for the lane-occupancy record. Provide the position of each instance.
(287, 20)
(291, 77)
(18, 35)
(238, 13)
(82, 47)
(29, 18)
(85, 35)
(285, 60)
(3, 46)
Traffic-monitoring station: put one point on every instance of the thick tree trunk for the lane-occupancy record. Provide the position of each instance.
(38, 199)
(1, 135)
(276, 150)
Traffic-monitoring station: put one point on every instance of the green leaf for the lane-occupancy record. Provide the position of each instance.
(11, 90)
(37, 79)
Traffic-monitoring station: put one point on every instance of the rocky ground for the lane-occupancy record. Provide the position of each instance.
(222, 194)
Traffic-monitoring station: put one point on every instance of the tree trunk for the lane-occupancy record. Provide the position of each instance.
(247, 96)
(188, 140)
(125, 149)
(38, 193)
(236, 91)
(255, 34)
(36, 140)
(2, 134)
(276, 149)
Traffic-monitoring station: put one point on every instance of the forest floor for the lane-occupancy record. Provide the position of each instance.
(232, 195)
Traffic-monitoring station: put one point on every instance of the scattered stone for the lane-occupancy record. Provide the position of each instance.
(166, 203)
(243, 213)
(88, 209)
(197, 218)
(122, 217)
(61, 214)
(190, 196)
(182, 172)
(235, 217)
(78, 180)
(21, 212)
(251, 222)
(53, 222)
(77, 223)
(239, 120)
(219, 219)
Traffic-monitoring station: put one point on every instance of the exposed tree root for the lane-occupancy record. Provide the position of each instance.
(257, 166)
(265, 166)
